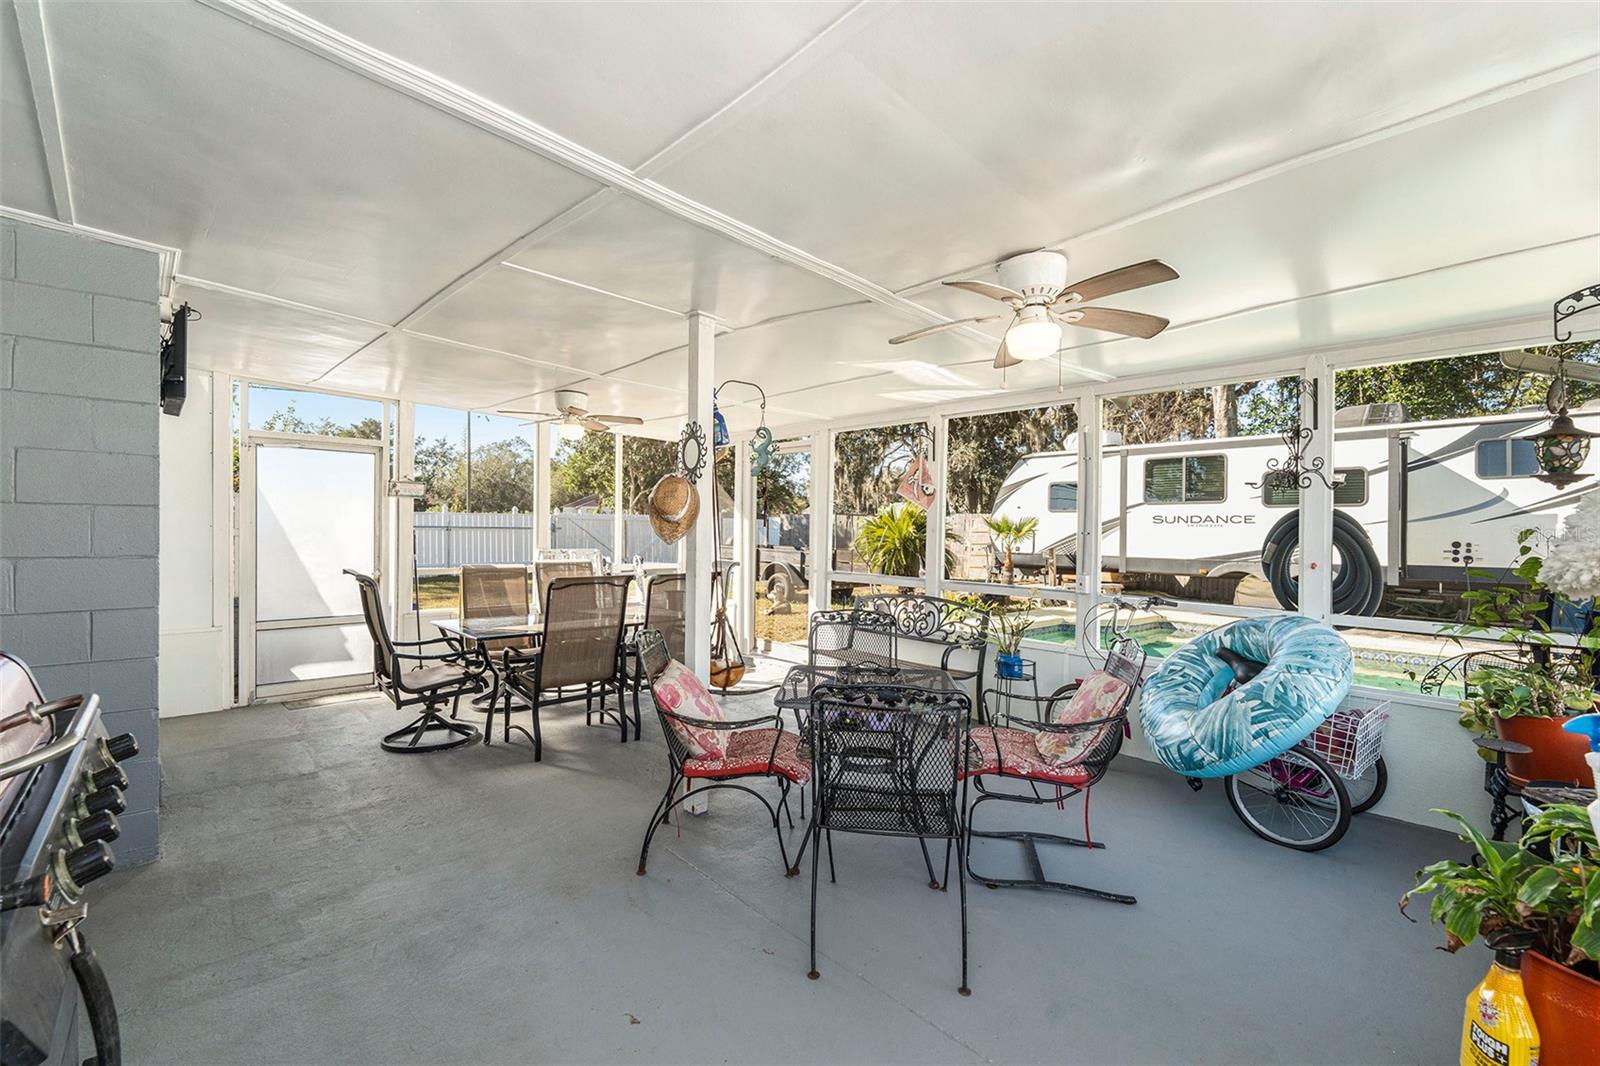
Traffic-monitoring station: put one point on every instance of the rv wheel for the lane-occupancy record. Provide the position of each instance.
(1358, 583)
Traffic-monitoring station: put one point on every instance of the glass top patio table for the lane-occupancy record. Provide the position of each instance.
(798, 684)
(509, 627)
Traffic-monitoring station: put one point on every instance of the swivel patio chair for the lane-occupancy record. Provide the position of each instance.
(437, 678)
(707, 752)
(888, 758)
(579, 658)
(1064, 751)
(663, 611)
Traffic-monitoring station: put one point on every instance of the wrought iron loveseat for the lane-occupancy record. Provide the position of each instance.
(954, 635)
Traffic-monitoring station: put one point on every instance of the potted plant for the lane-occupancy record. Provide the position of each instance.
(1008, 533)
(1008, 622)
(1525, 701)
(1546, 886)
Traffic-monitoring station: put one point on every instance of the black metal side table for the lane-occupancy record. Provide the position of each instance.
(1009, 687)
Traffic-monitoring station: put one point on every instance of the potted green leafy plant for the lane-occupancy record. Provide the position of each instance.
(1008, 622)
(1546, 886)
(1526, 700)
(1008, 533)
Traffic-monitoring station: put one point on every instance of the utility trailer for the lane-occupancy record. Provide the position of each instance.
(1416, 505)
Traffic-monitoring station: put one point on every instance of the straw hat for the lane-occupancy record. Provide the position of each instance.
(674, 507)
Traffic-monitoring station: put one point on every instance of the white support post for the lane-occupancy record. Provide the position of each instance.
(1316, 502)
(744, 546)
(933, 562)
(700, 546)
(819, 560)
(1091, 440)
(619, 562)
(408, 619)
(541, 490)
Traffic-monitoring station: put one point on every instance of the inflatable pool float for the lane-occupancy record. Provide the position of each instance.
(1199, 729)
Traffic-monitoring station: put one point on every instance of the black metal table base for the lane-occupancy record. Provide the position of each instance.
(413, 738)
(1030, 842)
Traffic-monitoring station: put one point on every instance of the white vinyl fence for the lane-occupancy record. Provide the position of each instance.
(446, 540)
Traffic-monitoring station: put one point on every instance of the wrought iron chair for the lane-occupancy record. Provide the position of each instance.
(663, 612)
(707, 752)
(547, 571)
(579, 658)
(851, 638)
(435, 680)
(1066, 750)
(887, 758)
(496, 592)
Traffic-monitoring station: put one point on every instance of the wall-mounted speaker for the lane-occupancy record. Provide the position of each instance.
(175, 363)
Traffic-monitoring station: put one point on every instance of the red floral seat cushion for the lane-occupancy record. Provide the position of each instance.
(747, 753)
(678, 691)
(1012, 753)
(1098, 696)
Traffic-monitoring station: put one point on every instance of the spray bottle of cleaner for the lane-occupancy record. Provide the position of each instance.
(1589, 725)
(1498, 1029)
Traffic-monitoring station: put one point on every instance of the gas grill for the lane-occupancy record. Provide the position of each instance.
(60, 793)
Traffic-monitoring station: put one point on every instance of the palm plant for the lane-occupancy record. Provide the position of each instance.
(895, 540)
(1008, 533)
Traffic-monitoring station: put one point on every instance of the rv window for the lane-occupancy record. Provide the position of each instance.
(1205, 479)
(1350, 491)
(1063, 497)
(1507, 458)
(1163, 481)
(1197, 479)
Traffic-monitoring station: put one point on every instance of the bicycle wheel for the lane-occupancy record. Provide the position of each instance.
(1294, 800)
(1365, 791)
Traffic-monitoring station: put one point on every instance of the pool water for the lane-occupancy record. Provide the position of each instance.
(1375, 668)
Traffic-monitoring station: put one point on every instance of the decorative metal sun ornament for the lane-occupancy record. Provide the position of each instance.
(1296, 471)
(1562, 447)
(692, 452)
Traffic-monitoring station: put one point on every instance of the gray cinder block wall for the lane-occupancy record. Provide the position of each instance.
(79, 403)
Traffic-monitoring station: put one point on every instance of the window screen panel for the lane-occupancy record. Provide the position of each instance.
(1063, 497)
(1524, 458)
(1492, 458)
(1163, 481)
(1205, 479)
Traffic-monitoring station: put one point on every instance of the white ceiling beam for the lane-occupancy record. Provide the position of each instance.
(36, 54)
(296, 28)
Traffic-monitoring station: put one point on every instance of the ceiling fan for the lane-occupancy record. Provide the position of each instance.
(573, 416)
(1034, 285)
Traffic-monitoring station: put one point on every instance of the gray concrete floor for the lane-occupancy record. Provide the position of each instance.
(322, 901)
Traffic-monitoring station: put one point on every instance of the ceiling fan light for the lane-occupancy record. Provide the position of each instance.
(569, 431)
(1033, 340)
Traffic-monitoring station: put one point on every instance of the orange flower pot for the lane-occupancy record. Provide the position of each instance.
(1556, 756)
(1566, 1008)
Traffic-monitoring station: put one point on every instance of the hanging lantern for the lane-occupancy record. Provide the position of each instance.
(1561, 450)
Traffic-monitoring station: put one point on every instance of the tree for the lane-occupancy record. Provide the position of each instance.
(1462, 386)
(1009, 532)
(582, 468)
(895, 540)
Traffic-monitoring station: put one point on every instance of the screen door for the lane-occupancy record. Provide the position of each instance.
(315, 514)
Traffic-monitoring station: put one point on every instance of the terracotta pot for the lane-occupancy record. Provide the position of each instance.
(1557, 755)
(1566, 1008)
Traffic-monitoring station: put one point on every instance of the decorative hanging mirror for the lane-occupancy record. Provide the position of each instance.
(692, 452)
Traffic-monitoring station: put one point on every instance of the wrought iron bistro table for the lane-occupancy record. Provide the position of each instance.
(470, 635)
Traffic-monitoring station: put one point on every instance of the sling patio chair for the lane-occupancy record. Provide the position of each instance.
(579, 658)
(663, 611)
(436, 679)
(496, 592)
(546, 571)
(1059, 754)
(706, 751)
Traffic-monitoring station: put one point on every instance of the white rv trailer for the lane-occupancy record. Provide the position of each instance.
(1416, 504)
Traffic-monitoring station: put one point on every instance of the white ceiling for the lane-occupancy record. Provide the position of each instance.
(478, 203)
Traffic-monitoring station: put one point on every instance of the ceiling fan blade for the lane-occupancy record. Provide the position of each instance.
(984, 288)
(593, 425)
(534, 414)
(1534, 363)
(940, 328)
(1003, 358)
(1127, 323)
(1136, 276)
(619, 420)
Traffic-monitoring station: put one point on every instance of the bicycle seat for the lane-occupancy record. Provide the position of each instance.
(1243, 669)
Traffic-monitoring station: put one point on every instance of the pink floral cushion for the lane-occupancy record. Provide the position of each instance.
(1011, 753)
(1097, 697)
(678, 691)
(755, 751)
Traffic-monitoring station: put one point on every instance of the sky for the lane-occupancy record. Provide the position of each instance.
(431, 422)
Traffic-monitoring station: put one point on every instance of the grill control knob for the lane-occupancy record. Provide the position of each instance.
(105, 799)
(89, 862)
(122, 747)
(108, 777)
(98, 827)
